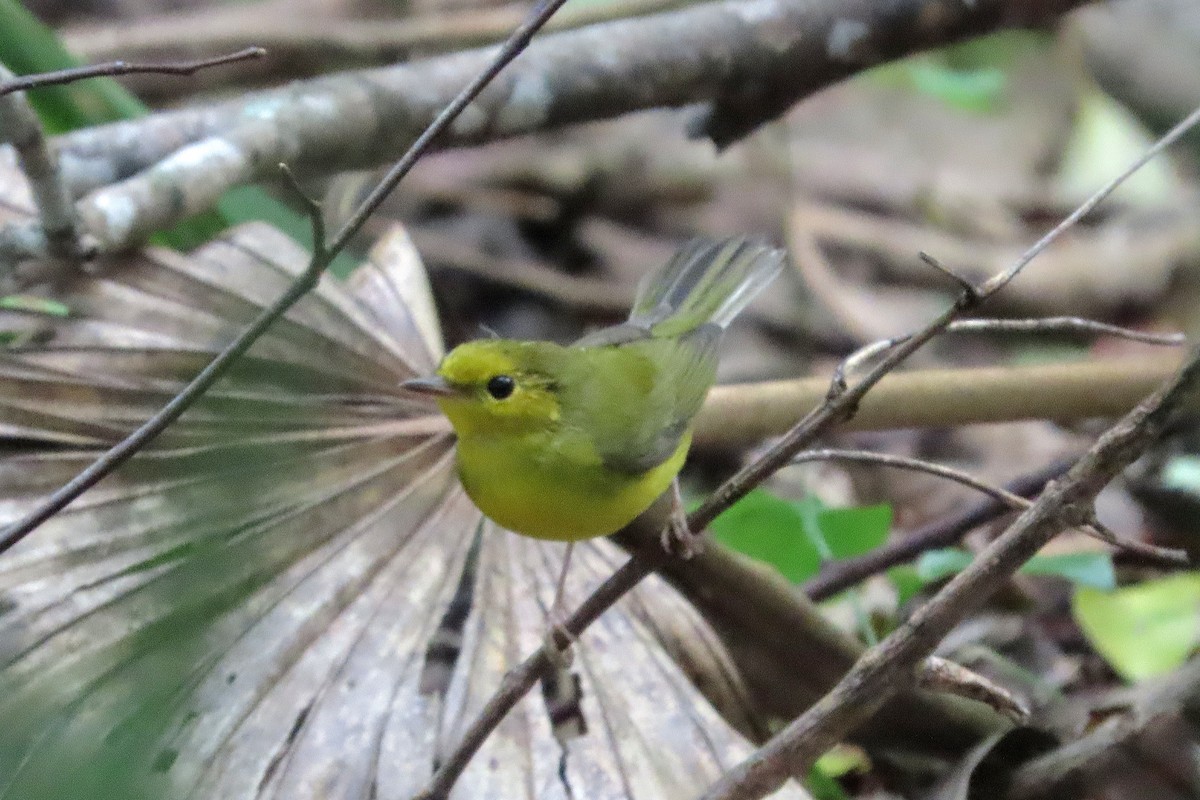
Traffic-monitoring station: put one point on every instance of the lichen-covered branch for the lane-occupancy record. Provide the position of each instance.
(20, 127)
(748, 60)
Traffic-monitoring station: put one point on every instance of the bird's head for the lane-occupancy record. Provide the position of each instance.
(495, 386)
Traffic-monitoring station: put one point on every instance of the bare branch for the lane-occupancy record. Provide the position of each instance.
(837, 576)
(742, 414)
(1094, 529)
(114, 68)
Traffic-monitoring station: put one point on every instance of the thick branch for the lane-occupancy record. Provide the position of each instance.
(750, 59)
(738, 414)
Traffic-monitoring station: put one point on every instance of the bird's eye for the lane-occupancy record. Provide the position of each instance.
(501, 386)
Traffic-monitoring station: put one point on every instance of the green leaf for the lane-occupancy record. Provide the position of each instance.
(936, 565)
(797, 536)
(764, 527)
(1105, 139)
(839, 761)
(906, 581)
(1093, 570)
(822, 786)
(34, 305)
(853, 531)
(27, 47)
(977, 90)
(1146, 630)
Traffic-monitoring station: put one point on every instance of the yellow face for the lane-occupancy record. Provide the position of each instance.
(498, 386)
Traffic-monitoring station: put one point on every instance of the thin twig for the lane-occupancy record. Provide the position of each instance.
(964, 284)
(998, 282)
(1016, 502)
(318, 39)
(1035, 325)
(316, 217)
(114, 68)
(1079, 325)
(125, 449)
(1010, 499)
(942, 675)
(841, 575)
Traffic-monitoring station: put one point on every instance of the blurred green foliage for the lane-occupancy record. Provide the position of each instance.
(795, 537)
(971, 76)
(1090, 569)
(1146, 630)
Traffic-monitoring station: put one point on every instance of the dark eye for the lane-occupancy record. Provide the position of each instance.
(501, 386)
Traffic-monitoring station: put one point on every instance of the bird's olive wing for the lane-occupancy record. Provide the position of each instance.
(637, 399)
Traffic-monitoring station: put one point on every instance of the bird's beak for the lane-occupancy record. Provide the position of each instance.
(435, 386)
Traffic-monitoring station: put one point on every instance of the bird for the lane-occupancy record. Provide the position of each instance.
(570, 442)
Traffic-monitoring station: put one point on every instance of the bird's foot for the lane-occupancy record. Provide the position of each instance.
(558, 643)
(678, 539)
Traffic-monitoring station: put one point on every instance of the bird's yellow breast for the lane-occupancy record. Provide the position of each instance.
(550, 488)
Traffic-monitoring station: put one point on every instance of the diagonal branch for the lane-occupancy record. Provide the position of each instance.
(891, 664)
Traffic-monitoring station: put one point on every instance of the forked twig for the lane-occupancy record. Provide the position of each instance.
(321, 259)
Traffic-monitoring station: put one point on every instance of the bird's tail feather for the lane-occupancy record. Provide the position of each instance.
(705, 282)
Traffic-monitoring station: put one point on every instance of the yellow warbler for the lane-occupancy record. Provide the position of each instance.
(570, 442)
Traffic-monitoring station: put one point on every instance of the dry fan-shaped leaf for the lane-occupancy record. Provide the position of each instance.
(288, 595)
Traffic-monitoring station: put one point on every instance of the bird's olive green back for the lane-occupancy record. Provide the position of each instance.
(635, 400)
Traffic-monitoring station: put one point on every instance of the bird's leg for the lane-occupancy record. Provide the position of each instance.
(677, 538)
(560, 655)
